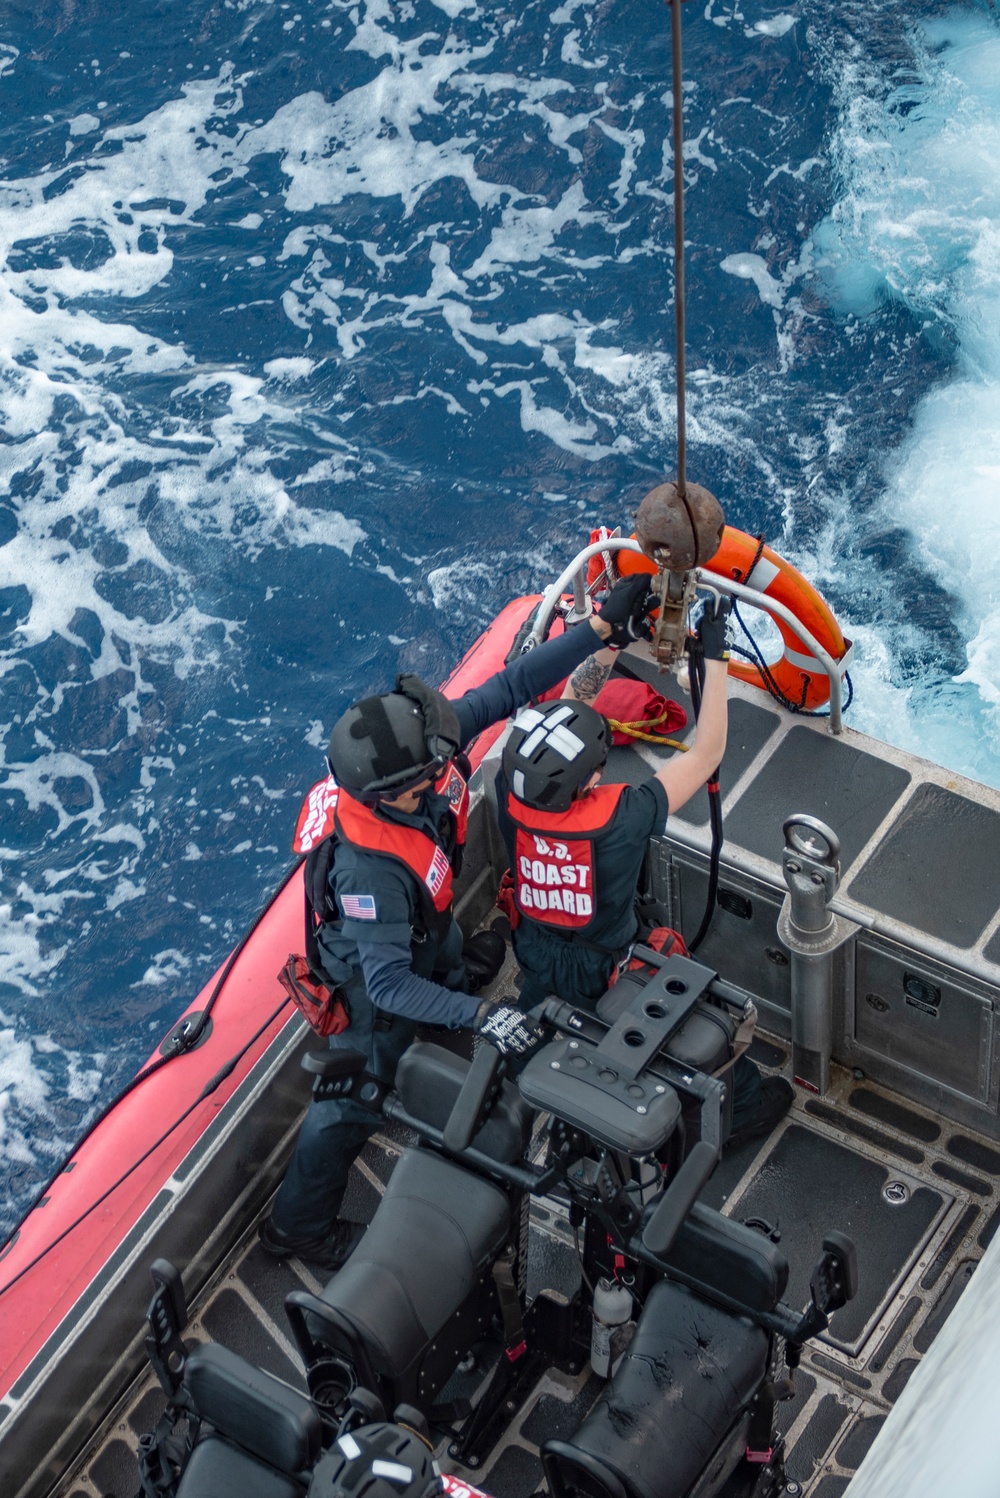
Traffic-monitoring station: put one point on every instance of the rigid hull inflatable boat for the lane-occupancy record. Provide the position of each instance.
(883, 1011)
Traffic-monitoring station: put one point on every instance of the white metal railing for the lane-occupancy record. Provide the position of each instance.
(574, 575)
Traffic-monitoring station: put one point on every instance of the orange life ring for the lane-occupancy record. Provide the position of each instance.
(798, 675)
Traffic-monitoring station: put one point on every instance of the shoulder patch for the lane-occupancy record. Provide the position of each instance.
(316, 816)
(358, 907)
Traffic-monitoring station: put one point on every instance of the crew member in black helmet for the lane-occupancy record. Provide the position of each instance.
(380, 1461)
(576, 847)
(393, 815)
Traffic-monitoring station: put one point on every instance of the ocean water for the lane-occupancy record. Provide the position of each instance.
(327, 327)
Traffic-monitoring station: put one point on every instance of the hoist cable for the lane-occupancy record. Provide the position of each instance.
(712, 786)
(677, 89)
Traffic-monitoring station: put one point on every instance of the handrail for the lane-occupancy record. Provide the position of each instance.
(574, 574)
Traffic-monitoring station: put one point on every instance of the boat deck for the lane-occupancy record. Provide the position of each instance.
(902, 1153)
(921, 1200)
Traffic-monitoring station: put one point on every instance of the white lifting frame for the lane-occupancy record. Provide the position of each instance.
(574, 575)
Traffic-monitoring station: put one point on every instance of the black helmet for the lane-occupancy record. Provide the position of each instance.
(552, 750)
(377, 1461)
(383, 746)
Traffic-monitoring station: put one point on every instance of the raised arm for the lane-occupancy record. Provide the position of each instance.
(618, 623)
(684, 773)
(589, 677)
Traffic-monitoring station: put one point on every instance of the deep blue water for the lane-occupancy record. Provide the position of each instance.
(326, 328)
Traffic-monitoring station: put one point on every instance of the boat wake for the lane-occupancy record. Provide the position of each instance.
(327, 331)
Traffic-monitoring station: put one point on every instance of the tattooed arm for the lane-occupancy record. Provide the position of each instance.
(590, 676)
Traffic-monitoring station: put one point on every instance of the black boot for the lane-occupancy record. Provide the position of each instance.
(483, 955)
(324, 1254)
(775, 1099)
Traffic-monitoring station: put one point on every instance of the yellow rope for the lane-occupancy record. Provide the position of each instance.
(636, 731)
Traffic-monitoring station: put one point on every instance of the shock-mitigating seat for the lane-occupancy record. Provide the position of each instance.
(679, 1404)
(677, 1400)
(417, 1291)
(259, 1438)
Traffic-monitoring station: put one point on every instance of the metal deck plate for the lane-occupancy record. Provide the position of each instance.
(750, 728)
(823, 777)
(939, 867)
(809, 1184)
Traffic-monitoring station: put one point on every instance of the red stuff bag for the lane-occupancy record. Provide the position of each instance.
(634, 709)
(325, 1011)
(506, 901)
(663, 939)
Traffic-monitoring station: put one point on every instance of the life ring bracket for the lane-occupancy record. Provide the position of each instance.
(574, 577)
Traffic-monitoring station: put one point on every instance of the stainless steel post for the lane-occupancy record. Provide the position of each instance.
(812, 933)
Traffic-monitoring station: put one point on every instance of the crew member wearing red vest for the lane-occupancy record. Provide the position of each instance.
(394, 806)
(576, 847)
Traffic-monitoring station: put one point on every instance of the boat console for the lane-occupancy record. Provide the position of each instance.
(616, 1083)
(444, 1251)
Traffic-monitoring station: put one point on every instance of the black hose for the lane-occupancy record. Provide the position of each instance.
(697, 669)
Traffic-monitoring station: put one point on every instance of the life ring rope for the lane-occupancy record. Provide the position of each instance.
(638, 730)
(813, 642)
(756, 657)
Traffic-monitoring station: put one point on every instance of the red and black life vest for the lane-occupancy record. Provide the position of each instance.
(555, 863)
(329, 814)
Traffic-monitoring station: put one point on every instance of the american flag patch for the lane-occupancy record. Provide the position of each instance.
(438, 871)
(358, 907)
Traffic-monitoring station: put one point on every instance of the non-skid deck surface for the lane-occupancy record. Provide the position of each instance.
(750, 727)
(825, 1167)
(824, 777)
(808, 1184)
(921, 872)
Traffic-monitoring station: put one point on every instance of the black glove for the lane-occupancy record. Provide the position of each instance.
(441, 731)
(483, 955)
(506, 1027)
(626, 609)
(711, 629)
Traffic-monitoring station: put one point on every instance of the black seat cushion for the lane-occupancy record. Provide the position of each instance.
(253, 1408)
(429, 1079)
(689, 1371)
(705, 1039)
(217, 1469)
(436, 1228)
(725, 1255)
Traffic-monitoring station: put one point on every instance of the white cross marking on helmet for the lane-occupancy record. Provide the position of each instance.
(392, 1471)
(565, 743)
(548, 729)
(528, 717)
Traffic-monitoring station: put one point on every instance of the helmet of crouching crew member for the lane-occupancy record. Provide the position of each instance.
(384, 746)
(378, 1461)
(553, 750)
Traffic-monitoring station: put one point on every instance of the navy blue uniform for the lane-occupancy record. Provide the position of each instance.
(576, 967)
(394, 973)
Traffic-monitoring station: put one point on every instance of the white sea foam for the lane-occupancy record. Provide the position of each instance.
(24, 1085)
(775, 25)
(70, 341)
(920, 225)
(242, 461)
(167, 966)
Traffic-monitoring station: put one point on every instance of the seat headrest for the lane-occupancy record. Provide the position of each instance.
(429, 1079)
(253, 1408)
